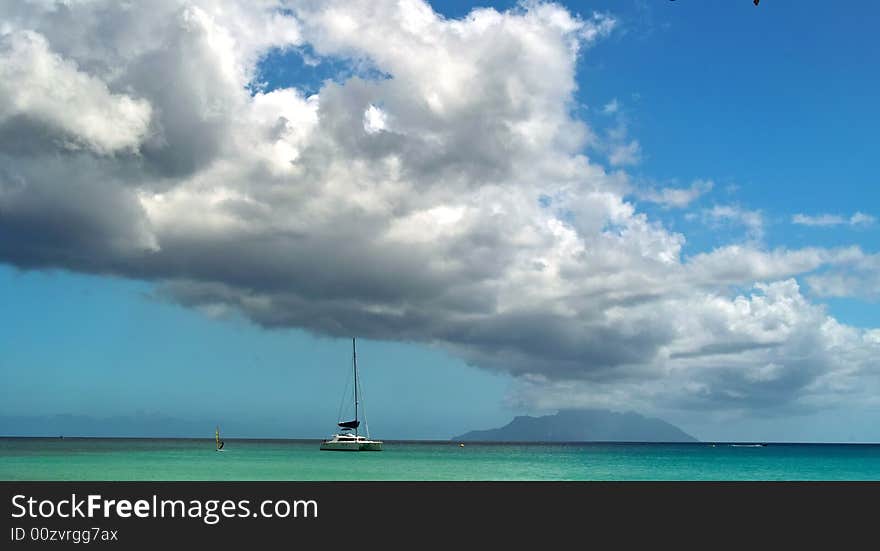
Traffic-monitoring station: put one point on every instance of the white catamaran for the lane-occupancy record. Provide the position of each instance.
(345, 439)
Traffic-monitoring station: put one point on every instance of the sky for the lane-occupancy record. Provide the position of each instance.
(637, 205)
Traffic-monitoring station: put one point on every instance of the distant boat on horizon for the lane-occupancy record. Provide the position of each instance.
(348, 439)
(219, 443)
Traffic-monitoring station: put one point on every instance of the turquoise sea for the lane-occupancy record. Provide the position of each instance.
(195, 459)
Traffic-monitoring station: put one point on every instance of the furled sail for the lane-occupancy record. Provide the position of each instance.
(350, 424)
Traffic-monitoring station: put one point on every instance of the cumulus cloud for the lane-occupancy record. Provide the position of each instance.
(858, 277)
(825, 220)
(48, 99)
(768, 349)
(446, 202)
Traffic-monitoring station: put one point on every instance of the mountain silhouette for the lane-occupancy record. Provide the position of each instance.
(585, 425)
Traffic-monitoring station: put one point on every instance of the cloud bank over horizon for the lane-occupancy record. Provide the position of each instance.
(441, 193)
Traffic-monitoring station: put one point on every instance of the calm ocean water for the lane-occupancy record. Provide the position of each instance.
(195, 459)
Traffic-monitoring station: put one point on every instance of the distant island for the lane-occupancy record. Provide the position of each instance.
(585, 425)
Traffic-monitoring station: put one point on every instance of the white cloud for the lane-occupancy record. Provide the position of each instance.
(726, 215)
(769, 349)
(375, 120)
(625, 154)
(618, 146)
(449, 203)
(858, 277)
(861, 219)
(824, 220)
(45, 94)
(611, 107)
(670, 197)
(742, 264)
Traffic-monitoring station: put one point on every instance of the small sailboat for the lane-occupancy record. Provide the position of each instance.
(348, 438)
(219, 443)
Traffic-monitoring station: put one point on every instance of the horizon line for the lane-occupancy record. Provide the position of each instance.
(472, 442)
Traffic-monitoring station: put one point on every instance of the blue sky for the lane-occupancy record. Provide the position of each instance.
(775, 105)
(102, 347)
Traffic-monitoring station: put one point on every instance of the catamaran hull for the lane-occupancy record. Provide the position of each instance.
(351, 446)
(345, 441)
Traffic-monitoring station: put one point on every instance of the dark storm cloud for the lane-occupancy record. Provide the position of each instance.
(440, 197)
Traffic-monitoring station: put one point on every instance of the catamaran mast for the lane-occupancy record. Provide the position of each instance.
(355, 362)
